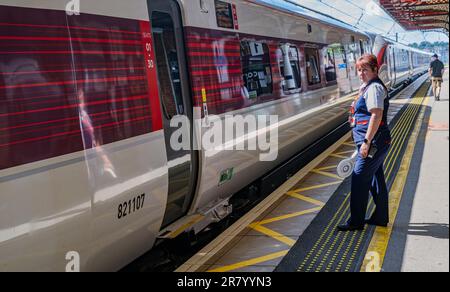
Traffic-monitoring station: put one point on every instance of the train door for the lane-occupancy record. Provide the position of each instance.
(351, 63)
(392, 66)
(411, 64)
(168, 41)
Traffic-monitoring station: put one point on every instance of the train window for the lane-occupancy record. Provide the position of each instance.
(290, 73)
(340, 59)
(312, 66)
(330, 64)
(257, 74)
(167, 64)
(352, 57)
(224, 14)
(367, 48)
(361, 47)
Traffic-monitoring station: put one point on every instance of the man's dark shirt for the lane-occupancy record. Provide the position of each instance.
(437, 67)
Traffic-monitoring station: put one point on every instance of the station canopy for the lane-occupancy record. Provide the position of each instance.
(422, 15)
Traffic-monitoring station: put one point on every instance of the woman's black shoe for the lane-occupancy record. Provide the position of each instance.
(371, 222)
(348, 227)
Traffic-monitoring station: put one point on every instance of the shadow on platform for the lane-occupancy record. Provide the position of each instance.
(402, 227)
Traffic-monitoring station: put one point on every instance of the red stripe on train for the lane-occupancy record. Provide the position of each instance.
(72, 52)
(72, 132)
(212, 54)
(71, 70)
(68, 39)
(77, 118)
(98, 80)
(65, 27)
(72, 106)
(152, 79)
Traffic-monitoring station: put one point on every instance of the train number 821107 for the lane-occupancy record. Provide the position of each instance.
(133, 205)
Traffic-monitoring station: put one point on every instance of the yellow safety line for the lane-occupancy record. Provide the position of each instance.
(306, 199)
(329, 174)
(406, 131)
(288, 216)
(339, 156)
(346, 152)
(326, 167)
(349, 144)
(408, 121)
(316, 187)
(275, 235)
(374, 259)
(251, 262)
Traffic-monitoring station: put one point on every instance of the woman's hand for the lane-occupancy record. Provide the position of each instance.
(364, 151)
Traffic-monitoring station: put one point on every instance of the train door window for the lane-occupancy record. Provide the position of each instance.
(361, 47)
(356, 51)
(167, 64)
(312, 66)
(406, 58)
(341, 61)
(257, 73)
(224, 14)
(329, 60)
(352, 58)
(392, 64)
(291, 72)
(367, 48)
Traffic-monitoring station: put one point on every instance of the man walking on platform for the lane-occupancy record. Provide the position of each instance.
(436, 72)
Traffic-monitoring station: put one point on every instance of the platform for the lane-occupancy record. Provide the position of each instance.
(294, 228)
(420, 237)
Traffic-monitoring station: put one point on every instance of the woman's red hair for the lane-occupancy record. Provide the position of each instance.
(368, 61)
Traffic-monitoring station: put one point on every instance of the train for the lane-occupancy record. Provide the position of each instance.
(89, 90)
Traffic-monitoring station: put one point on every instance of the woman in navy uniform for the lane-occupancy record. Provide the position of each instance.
(372, 137)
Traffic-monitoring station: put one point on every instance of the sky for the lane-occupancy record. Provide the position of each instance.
(370, 17)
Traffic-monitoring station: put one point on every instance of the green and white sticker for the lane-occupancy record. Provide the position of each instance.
(226, 176)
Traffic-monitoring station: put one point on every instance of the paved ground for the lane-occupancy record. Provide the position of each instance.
(420, 239)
